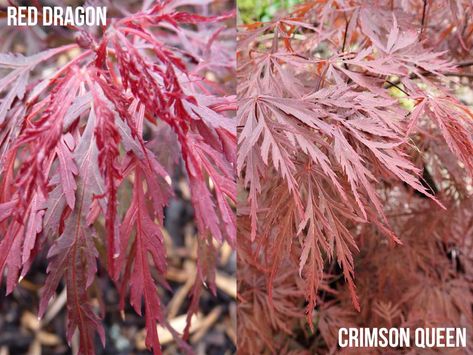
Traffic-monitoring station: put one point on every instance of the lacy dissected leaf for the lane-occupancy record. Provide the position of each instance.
(79, 126)
(73, 256)
(148, 241)
(221, 174)
(348, 123)
(67, 169)
(456, 126)
(17, 79)
(107, 139)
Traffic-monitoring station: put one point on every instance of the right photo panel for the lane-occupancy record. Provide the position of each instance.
(355, 166)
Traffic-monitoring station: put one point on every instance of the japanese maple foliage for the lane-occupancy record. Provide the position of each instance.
(73, 136)
(352, 142)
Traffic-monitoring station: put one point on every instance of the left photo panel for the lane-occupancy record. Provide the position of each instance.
(117, 177)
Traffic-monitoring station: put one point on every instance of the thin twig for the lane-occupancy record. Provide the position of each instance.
(347, 22)
(414, 76)
(398, 87)
(423, 17)
(467, 63)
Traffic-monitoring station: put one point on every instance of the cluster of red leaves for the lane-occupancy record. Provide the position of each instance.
(349, 131)
(69, 141)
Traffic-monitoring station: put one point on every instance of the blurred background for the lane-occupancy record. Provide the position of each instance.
(262, 10)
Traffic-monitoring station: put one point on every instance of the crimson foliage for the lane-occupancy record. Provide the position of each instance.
(73, 136)
(350, 130)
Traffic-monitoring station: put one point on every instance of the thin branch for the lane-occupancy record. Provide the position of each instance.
(423, 17)
(347, 22)
(467, 63)
(459, 74)
(465, 75)
(397, 87)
